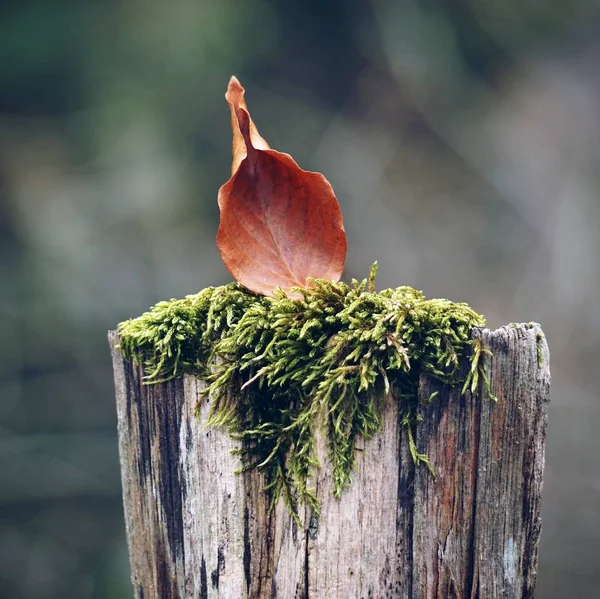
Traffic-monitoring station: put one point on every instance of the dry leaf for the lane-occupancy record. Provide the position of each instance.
(279, 224)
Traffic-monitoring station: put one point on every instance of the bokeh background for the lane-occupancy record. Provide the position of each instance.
(462, 138)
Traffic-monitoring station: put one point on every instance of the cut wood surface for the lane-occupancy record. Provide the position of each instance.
(197, 530)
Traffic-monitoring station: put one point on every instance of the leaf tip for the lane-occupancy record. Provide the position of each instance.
(234, 88)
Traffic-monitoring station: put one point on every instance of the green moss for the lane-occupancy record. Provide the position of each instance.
(276, 367)
(539, 338)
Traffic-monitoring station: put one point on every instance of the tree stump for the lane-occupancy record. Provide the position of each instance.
(195, 529)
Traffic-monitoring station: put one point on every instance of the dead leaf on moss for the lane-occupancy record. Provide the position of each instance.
(279, 224)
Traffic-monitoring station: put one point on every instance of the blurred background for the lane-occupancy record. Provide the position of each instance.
(462, 139)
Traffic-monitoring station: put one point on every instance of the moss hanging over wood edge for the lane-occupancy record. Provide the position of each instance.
(276, 367)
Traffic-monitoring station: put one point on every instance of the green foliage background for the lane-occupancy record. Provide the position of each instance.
(460, 136)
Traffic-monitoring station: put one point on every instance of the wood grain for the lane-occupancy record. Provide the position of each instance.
(197, 530)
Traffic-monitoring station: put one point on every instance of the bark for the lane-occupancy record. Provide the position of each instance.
(195, 529)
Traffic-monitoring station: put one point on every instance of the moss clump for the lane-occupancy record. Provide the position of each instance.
(276, 367)
(539, 338)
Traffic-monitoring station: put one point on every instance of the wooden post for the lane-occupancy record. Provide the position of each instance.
(197, 530)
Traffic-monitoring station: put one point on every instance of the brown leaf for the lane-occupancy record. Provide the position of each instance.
(279, 224)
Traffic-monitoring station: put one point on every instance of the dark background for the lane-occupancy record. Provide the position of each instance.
(462, 139)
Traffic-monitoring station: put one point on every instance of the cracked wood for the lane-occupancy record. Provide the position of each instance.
(197, 530)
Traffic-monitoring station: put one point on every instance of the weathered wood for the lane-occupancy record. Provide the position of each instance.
(197, 530)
